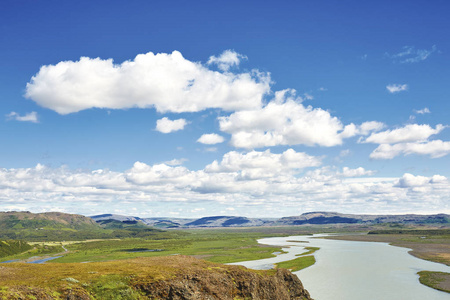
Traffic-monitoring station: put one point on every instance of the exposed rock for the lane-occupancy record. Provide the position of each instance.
(225, 283)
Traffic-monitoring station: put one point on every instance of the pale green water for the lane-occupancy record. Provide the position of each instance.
(348, 270)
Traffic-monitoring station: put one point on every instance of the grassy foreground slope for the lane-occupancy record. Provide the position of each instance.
(174, 277)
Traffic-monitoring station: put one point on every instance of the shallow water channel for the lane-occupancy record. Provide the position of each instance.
(355, 270)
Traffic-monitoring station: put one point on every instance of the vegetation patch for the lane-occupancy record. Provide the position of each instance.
(298, 263)
(436, 280)
(311, 250)
(11, 247)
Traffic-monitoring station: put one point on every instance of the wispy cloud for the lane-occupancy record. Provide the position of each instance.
(30, 117)
(410, 54)
(396, 88)
(422, 111)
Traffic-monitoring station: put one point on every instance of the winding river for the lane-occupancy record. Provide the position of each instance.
(355, 270)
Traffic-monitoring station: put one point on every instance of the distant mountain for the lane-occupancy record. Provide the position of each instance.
(214, 221)
(338, 218)
(114, 217)
(227, 221)
(311, 218)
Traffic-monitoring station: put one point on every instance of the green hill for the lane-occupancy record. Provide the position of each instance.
(52, 226)
(56, 226)
(49, 221)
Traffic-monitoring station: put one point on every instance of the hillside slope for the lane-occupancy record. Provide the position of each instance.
(48, 220)
(47, 226)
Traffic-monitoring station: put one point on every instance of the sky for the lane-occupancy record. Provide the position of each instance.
(244, 108)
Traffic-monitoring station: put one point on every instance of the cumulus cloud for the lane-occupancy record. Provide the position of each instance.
(263, 164)
(396, 88)
(166, 82)
(226, 60)
(409, 180)
(165, 125)
(410, 54)
(434, 149)
(29, 117)
(211, 139)
(408, 133)
(286, 121)
(347, 172)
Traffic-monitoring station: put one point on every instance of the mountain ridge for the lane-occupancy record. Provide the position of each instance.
(309, 218)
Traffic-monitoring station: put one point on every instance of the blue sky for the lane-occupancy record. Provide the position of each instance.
(196, 108)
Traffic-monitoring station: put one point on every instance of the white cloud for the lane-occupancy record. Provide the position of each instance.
(226, 60)
(211, 139)
(259, 182)
(363, 129)
(409, 180)
(29, 117)
(347, 172)
(165, 125)
(434, 149)
(422, 111)
(408, 133)
(411, 55)
(396, 88)
(263, 164)
(175, 162)
(286, 121)
(167, 82)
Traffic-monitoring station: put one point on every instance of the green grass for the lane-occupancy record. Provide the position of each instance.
(311, 250)
(298, 263)
(435, 280)
(113, 287)
(37, 250)
(222, 246)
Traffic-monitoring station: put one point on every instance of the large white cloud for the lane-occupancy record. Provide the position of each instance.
(408, 133)
(435, 149)
(286, 121)
(167, 82)
(165, 125)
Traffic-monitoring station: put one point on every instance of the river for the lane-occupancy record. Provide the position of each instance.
(351, 270)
